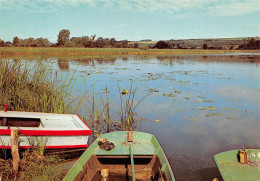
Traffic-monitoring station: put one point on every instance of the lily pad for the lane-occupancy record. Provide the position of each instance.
(207, 108)
(202, 100)
(213, 114)
(193, 119)
(176, 91)
(230, 117)
(169, 95)
(230, 108)
(125, 91)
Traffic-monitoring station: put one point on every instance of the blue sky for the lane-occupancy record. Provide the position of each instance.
(130, 19)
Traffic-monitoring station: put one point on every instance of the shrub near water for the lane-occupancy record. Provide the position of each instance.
(35, 90)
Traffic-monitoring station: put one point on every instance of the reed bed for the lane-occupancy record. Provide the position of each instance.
(35, 89)
(29, 51)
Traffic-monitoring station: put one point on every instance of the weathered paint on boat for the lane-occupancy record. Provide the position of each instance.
(57, 131)
(232, 170)
(143, 144)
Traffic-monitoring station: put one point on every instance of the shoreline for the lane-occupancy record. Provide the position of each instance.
(54, 51)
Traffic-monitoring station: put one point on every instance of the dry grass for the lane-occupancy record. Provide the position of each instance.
(18, 51)
(33, 166)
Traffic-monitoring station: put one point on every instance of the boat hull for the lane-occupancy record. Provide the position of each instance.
(148, 157)
(231, 169)
(54, 131)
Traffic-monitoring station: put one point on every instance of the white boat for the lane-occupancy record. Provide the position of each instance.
(55, 131)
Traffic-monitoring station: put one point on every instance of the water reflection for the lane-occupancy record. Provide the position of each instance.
(63, 65)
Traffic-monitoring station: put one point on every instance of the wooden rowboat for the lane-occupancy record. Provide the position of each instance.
(240, 165)
(55, 131)
(120, 156)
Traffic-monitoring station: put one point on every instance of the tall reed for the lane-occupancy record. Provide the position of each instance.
(101, 117)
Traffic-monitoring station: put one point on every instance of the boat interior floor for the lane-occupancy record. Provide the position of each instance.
(20, 122)
(147, 168)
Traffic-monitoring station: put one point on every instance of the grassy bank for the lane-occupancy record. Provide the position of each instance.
(35, 89)
(32, 89)
(20, 51)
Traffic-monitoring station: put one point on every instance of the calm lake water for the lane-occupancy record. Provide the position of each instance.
(196, 108)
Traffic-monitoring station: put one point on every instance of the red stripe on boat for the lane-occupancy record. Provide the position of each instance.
(50, 147)
(5, 131)
(48, 132)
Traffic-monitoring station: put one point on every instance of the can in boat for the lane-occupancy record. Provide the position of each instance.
(243, 157)
(104, 172)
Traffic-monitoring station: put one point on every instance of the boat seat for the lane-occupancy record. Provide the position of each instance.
(3, 122)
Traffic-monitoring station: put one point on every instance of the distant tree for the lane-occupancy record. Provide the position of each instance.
(179, 46)
(171, 45)
(2, 43)
(113, 42)
(99, 43)
(124, 44)
(86, 41)
(7, 44)
(136, 45)
(161, 45)
(251, 44)
(42, 42)
(15, 41)
(205, 46)
(64, 35)
(70, 43)
(257, 44)
(78, 41)
(30, 42)
(106, 42)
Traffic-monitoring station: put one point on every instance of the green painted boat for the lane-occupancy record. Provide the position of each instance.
(131, 156)
(240, 165)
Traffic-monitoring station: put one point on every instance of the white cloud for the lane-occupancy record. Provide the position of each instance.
(174, 7)
(237, 92)
(233, 8)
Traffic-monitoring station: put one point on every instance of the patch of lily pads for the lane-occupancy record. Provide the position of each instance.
(193, 119)
(222, 109)
(207, 108)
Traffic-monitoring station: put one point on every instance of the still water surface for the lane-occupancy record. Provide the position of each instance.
(201, 108)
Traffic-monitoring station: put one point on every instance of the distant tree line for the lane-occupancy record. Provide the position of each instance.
(252, 44)
(208, 44)
(64, 40)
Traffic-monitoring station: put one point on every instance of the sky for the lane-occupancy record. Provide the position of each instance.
(130, 19)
